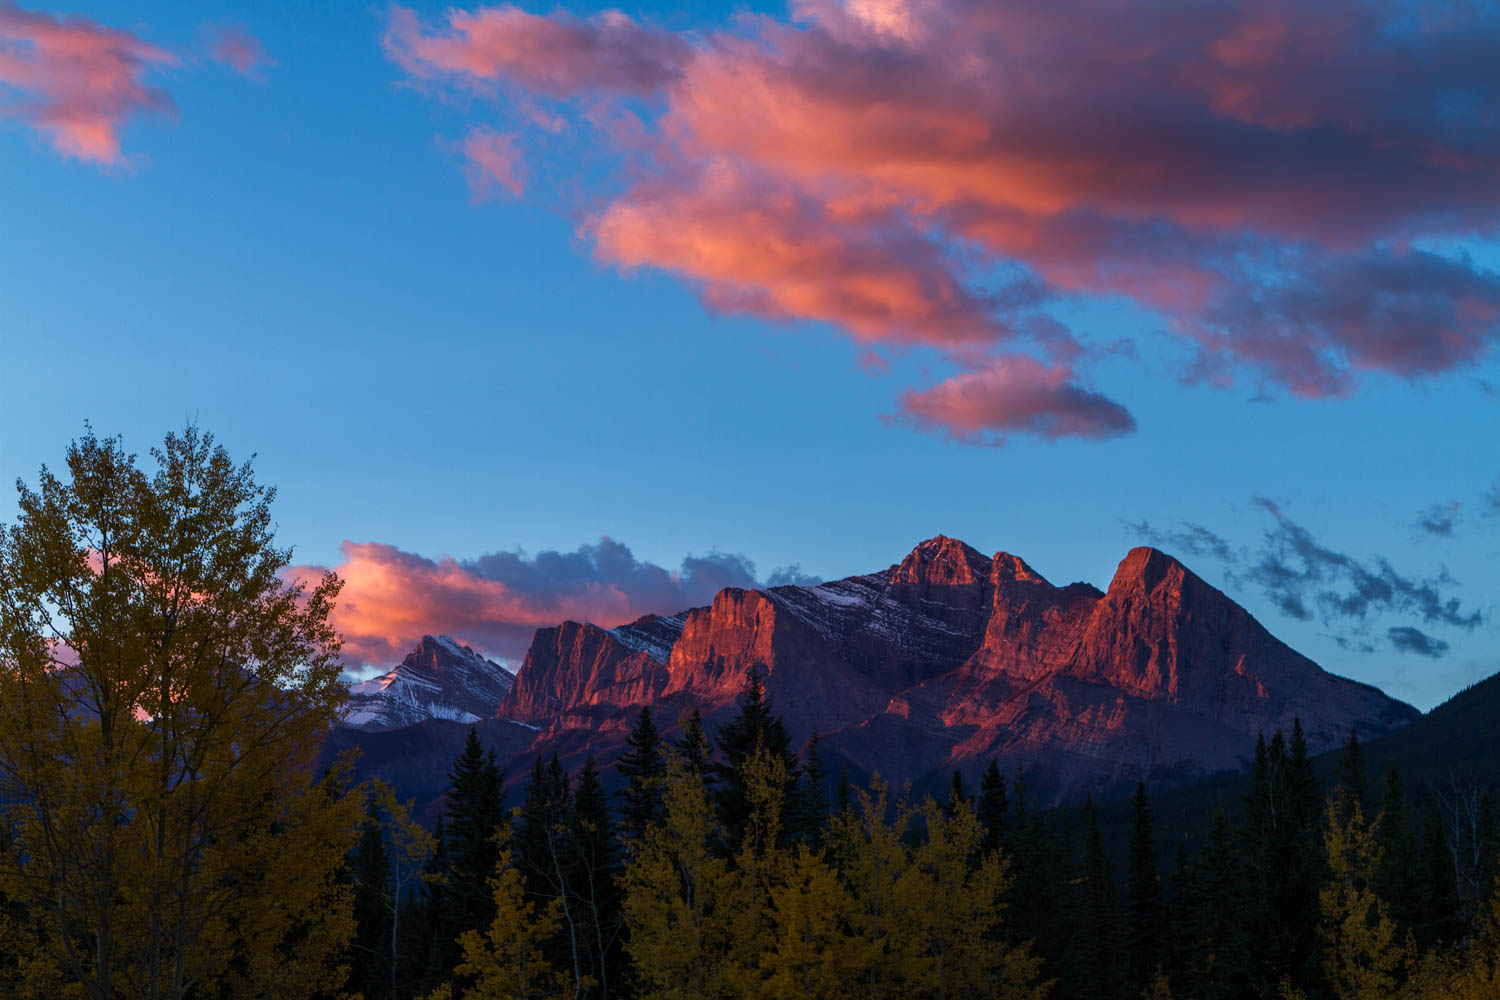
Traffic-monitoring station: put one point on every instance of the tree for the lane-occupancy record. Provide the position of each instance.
(694, 747)
(1098, 919)
(593, 880)
(644, 768)
(680, 899)
(1218, 963)
(508, 959)
(474, 818)
(1364, 957)
(163, 697)
(993, 809)
(756, 727)
(1145, 914)
(370, 871)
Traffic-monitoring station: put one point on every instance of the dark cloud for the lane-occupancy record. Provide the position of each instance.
(1303, 577)
(1307, 580)
(1440, 519)
(1410, 640)
(792, 576)
(1191, 539)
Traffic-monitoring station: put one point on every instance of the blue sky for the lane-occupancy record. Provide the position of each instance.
(297, 263)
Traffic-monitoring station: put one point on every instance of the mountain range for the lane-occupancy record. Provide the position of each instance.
(939, 663)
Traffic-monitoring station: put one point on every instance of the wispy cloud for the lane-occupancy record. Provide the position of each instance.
(233, 45)
(1308, 580)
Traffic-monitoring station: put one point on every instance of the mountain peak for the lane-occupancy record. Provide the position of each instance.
(1148, 566)
(942, 560)
(1006, 567)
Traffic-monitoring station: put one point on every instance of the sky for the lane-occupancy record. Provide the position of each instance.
(535, 312)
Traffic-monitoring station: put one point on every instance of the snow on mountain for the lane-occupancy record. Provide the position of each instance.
(439, 679)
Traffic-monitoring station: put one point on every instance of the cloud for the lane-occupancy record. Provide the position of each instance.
(1272, 179)
(494, 163)
(1192, 539)
(1302, 576)
(1410, 640)
(495, 602)
(77, 82)
(1440, 519)
(1307, 580)
(560, 55)
(1011, 395)
(1491, 500)
(235, 47)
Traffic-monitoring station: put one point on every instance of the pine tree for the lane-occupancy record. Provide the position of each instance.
(475, 816)
(1145, 915)
(694, 747)
(594, 882)
(1352, 774)
(1397, 881)
(809, 814)
(644, 768)
(1219, 964)
(1098, 919)
(993, 808)
(546, 862)
(370, 869)
(1034, 901)
(1438, 923)
(756, 727)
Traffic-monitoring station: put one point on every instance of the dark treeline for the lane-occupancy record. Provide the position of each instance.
(731, 866)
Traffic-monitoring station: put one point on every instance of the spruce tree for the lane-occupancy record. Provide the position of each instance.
(593, 875)
(1352, 774)
(1397, 880)
(810, 813)
(1097, 923)
(694, 747)
(1219, 963)
(370, 870)
(547, 862)
(992, 807)
(756, 726)
(644, 769)
(1145, 915)
(1437, 923)
(475, 815)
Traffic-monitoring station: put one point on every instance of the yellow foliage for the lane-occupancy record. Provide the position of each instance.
(507, 961)
(1364, 959)
(163, 696)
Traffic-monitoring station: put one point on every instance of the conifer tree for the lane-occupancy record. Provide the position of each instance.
(370, 870)
(644, 768)
(810, 805)
(546, 860)
(1352, 774)
(1397, 881)
(1219, 964)
(756, 727)
(992, 808)
(1438, 923)
(1145, 914)
(694, 747)
(593, 882)
(474, 816)
(1098, 919)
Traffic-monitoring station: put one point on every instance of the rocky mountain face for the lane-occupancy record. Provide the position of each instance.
(949, 659)
(439, 679)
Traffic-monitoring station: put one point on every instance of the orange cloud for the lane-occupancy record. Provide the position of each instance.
(391, 597)
(76, 81)
(942, 172)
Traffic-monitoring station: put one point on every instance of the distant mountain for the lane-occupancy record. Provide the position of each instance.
(439, 679)
(949, 659)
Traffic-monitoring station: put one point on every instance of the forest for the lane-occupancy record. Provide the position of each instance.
(166, 830)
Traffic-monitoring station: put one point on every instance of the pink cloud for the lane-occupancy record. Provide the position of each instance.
(391, 597)
(559, 55)
(235, 47)
(1011, 395)
(76, 81)
(941, 172)
(493, 163)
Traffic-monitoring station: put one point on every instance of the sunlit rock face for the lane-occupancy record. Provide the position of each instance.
(949, 659)
(439, 679)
